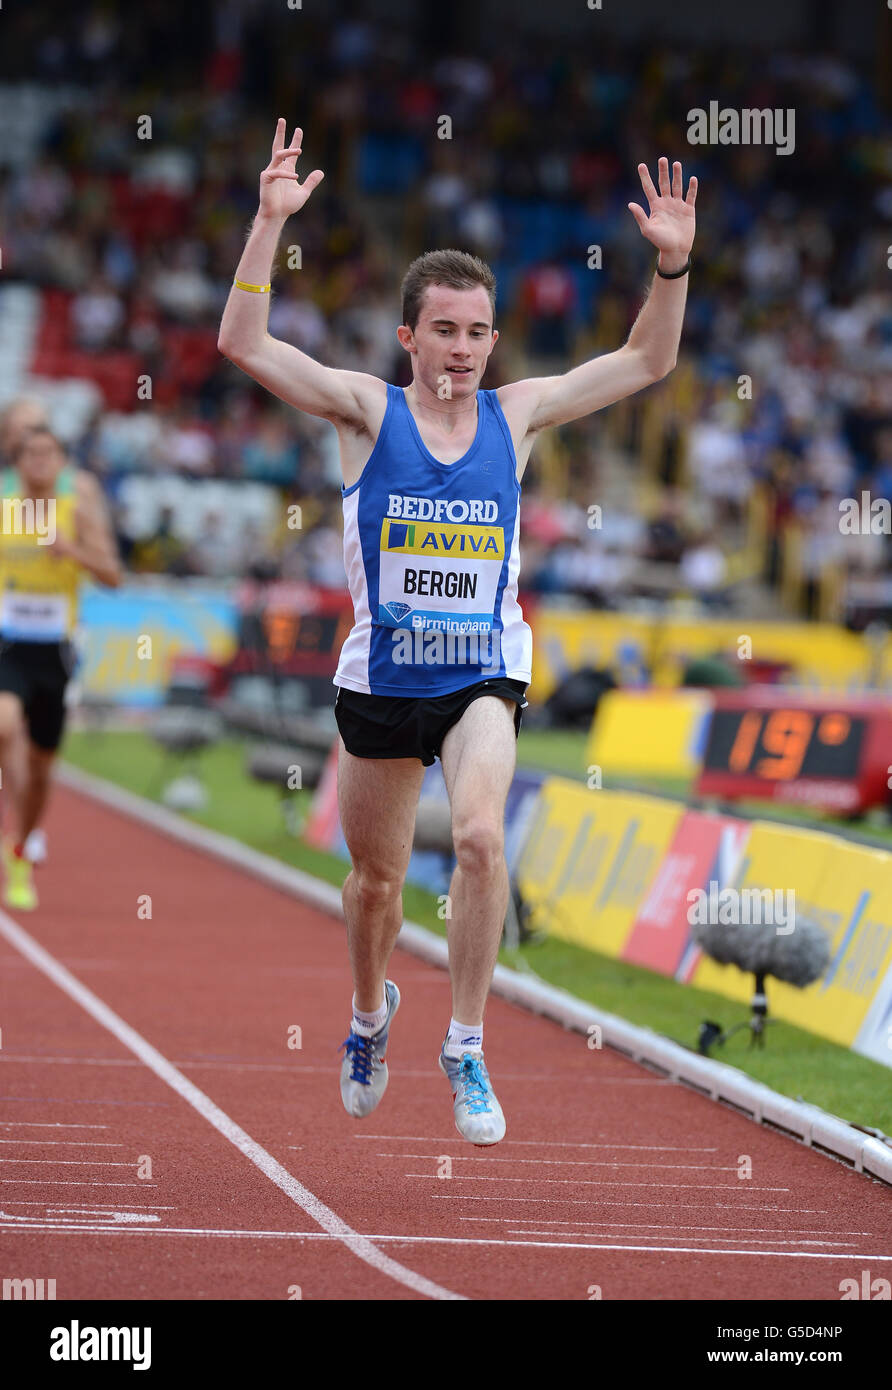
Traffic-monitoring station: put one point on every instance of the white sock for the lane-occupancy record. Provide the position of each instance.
(463, 1037)
(367, 1024)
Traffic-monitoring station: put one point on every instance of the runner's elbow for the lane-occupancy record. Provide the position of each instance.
(232, 345)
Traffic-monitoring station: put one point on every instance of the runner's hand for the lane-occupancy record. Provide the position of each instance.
(281, 192)
(672, 220)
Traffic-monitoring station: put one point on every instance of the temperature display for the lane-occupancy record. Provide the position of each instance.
(778, 745)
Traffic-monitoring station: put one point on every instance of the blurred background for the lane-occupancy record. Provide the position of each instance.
(118, 254)
(128, 178)
(705, 627)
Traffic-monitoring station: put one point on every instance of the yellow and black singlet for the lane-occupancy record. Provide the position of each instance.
(38, 591)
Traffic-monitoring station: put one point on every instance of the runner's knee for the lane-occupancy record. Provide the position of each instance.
(12, 719)
(479, 845)
(374, 887)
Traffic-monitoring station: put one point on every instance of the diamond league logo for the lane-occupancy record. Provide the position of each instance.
(398, 610)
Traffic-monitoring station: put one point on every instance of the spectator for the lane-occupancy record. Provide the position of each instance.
(271, 456)
(547, 301)
(97, 315)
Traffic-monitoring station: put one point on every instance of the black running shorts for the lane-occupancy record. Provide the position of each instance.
(393, 726)
(38, 673)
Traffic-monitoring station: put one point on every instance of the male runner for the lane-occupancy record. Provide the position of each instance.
(18, 416)
(53, 526)
(431, 487)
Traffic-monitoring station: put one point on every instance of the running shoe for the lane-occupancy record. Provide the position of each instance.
(363, 1069)
(19, 890)
(36, 847)
(478, 1115)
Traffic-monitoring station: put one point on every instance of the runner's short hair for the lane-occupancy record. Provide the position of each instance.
(457, 269)
(36, 432)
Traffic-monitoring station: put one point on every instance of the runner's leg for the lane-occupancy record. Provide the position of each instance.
(478, 756)
(37, 787)
(377, 802)
(13, 762)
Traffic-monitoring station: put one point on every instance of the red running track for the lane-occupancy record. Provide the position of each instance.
(114, 1184)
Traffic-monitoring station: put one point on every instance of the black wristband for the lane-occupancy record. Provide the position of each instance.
(675, 274)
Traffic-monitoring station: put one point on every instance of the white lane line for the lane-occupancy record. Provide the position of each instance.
(440, 1240)
(551, 1143)
(695, 1250)
(95, 1209)
(674, 1226)
(129, 1038)
(729, 1240)
(97, 1206)
(74, 1143)
(198, 1064)
(114, 1218)
(573, 1162)
(223, 1065)
(46, 1124)
(427, 1073)
(70, 1162)
(608, 1202)
(100, 1100)
(587, 1182)
(214, 1064)
(71, 1061)
(70, 1182)
(220, 1064)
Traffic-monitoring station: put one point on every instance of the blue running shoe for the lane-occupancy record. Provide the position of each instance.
(364, 1070)
(478, 1115)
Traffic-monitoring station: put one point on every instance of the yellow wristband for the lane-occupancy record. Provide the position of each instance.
(255, 289)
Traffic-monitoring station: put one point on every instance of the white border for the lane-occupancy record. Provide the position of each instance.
(721, 1082)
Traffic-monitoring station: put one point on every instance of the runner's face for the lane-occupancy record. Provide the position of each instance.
(40, 463)
(21, 418)
(454, 331)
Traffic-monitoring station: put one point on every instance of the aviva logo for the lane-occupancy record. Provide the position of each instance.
(426, 538)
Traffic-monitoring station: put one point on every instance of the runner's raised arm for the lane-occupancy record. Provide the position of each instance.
(651, 349)
(281, 368)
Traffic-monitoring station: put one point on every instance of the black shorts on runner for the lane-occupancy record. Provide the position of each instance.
(394, 726)
(38, 673)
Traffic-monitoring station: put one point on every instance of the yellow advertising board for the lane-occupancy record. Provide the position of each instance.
(854, 906)
(822, 655)
(649, 733)
(777, 857)
(846, 890)
(640, 649)
(563, 641)
(589, 859)
(591, 856)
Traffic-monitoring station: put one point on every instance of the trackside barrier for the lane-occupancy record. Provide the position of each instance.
(615, 872)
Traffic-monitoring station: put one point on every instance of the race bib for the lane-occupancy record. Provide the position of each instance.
(439, 577)
(33, 617)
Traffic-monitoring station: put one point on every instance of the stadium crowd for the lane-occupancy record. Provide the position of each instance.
(131, 230)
